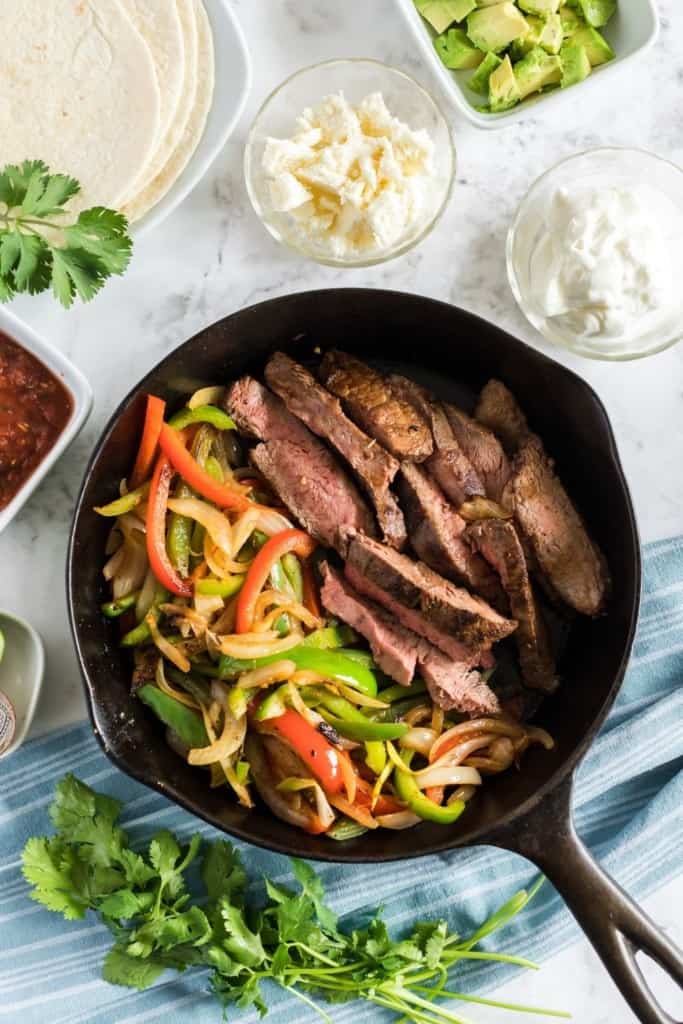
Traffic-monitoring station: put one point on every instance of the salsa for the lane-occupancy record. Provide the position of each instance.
(34, 409)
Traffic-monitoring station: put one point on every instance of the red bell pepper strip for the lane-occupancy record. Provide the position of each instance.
(154, 417)
(173, 445)
(156, 531)
(312, 747)
(310, 594)
(271, 552)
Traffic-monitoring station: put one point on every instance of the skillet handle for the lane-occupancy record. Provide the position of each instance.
(614, 924)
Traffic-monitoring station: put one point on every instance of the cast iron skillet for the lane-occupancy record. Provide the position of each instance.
(529, 811)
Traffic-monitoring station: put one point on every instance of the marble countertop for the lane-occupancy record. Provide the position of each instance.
(212, 257)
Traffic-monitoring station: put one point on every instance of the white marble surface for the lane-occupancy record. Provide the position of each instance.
(212, 257)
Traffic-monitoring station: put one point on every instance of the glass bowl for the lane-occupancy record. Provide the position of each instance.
(611, 166)
(405, 99)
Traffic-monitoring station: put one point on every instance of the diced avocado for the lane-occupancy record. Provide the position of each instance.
(570, 20)
(597, 12)
(537, 70)
(479, 82)
(494, 28)
(442, 13)
(503, 89)
(575, 64)
(598, 49)
(541, 7)
(551, 34)
(456, 51)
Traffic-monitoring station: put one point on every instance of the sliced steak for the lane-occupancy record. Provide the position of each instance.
(374, 405)
(448, 464)
(322, 413)
(394, 649)
(498, 410)
(436, 534)
(499, 543)
(261, 414)
(483, 449)
(451, 684)
(413, 586)
(456, 686)
(555, 531)
(314, 488)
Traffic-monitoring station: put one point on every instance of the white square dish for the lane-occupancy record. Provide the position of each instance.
(631, 31)
(231, 88)
(74, 382)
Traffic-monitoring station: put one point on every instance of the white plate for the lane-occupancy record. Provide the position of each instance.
(21, 672)
(75, 383)
(232, 85)
(631, 31)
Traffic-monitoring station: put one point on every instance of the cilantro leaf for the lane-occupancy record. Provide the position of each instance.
(42, 246)
(243, 945)
(121, 969)
(223, 873)
(85, 817)
(312, 887)
(48, 865)
(125, 904)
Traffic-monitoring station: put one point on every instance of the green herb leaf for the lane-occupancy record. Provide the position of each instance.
(121, 969)
(48, 864)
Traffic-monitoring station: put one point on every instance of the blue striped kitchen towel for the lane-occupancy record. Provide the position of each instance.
(628, 795)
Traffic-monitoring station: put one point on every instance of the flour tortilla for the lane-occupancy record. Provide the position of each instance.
(193, 128)
(158, 22)
(79, 91)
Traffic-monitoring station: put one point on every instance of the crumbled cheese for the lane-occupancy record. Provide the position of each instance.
(356, 180)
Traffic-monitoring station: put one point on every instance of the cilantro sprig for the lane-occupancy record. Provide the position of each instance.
(294, 939)
(41, 244)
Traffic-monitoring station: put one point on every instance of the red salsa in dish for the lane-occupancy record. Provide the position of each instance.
(34, 409)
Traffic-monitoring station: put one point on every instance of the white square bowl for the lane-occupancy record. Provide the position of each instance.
(631, 31)
(75, 383)
(231, 88)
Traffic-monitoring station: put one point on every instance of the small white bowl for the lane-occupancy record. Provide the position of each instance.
(631, 31)
(75, 383)
(232, 85)
(21, 673)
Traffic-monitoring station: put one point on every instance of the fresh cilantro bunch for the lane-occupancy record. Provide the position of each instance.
(40, 249)
(293, 939)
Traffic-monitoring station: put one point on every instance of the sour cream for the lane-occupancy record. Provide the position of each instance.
(604, 261)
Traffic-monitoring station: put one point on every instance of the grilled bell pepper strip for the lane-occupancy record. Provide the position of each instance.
(154, 418)
(271, 552)
(112, 609)
(172, 444)
(330, 637)
(292, 570)
(183, 720)
(366, 730)
(330, 664)
(156, 531)
(202, 414)
(219, 588)
(375, 756)
(312, 747)
(126, 503)
(408, 791)
(398, 692)
(140, 634)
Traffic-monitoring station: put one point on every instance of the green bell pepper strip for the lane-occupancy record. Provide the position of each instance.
(214, 469)
(197, 688)
(330, 664)
(238, 700)
(183, 720)
(292, 569)
(273, 705)
(112, 609)
(362, 657)
(345, 828)
(220, 588)
(242, 771)
(408, 791)
(398, 692)
(396, 711)
(126, 503)
(202, 414)
(140, 634)
(375, 756)
(366, 730)
(330, 637)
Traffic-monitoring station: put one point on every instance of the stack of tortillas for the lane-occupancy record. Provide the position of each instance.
(113, 92)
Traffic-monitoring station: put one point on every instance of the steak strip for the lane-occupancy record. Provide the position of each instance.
(498, 542)
(322, 413)
(448, 464)
(451, 684)
(374, 405)
(437, 534)
(483, 449)
(498, 410)
(440, 607)
(300, 469)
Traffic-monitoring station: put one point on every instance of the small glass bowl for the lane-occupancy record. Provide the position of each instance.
(405, 99)
(613, 166)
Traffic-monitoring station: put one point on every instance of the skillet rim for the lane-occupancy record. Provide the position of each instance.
(483, 834)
